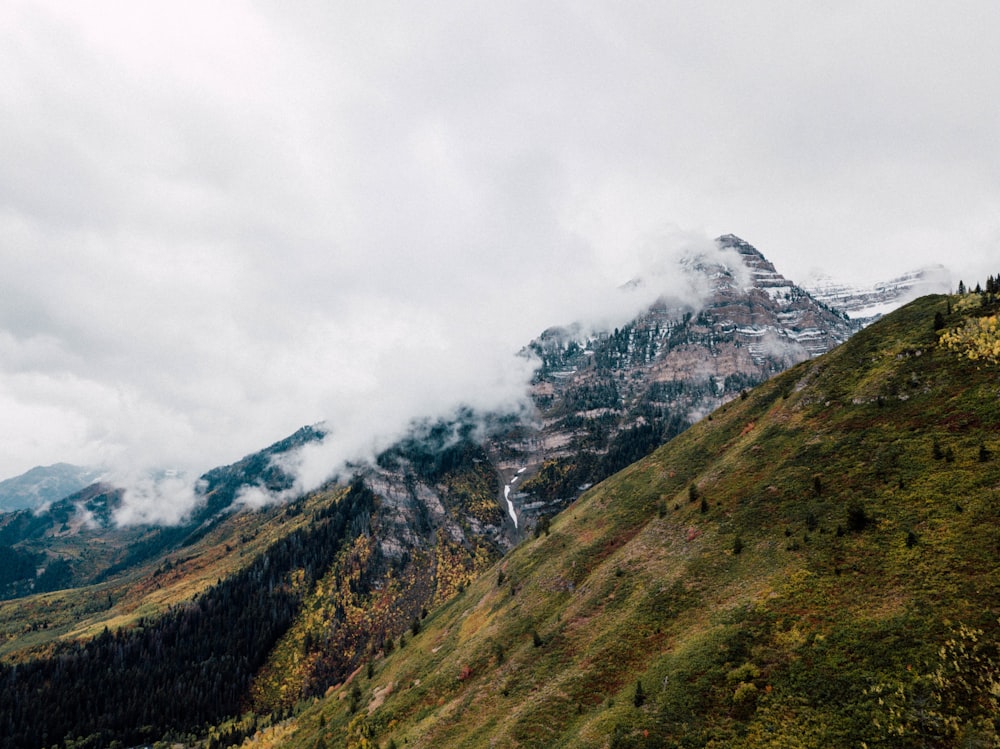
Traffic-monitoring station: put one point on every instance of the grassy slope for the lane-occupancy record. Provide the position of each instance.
(773, 646)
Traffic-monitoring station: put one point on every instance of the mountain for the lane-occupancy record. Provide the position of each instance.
(44, 484)
(816, 565)
(607, 398)
(258, 612)
(603, 400)
(867, 303)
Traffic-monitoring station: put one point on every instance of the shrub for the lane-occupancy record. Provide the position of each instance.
(857, 518)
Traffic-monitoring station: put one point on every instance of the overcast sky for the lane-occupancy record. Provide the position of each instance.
(221, 221)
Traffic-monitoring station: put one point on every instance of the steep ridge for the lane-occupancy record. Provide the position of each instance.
(815, 565)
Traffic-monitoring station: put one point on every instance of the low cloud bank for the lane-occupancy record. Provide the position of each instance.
(410, 372)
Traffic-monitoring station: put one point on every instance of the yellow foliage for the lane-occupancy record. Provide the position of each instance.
(977, 340)
(454, 568)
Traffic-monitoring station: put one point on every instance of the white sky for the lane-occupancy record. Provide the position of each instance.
(221, 221)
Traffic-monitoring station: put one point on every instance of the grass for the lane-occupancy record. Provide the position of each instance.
(824, 474)
(867, 524)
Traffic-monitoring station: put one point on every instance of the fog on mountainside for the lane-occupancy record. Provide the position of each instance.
(758, 568)
(688, 288)
(669, 346)
(687, 283)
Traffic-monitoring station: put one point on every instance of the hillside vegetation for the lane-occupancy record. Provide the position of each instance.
(814, 565)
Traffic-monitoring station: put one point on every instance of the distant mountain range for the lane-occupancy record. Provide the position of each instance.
(44, 484)
(867, 303)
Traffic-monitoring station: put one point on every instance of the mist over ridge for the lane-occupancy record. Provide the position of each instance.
(686, 277)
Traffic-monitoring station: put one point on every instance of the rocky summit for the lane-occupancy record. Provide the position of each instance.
(607, 398)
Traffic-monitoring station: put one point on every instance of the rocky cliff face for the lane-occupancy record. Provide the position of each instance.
(606, 399)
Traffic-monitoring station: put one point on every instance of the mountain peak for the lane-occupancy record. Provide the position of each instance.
(727, 241)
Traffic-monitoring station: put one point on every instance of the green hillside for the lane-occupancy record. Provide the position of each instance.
(817, 564)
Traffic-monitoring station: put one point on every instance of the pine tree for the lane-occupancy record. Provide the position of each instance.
(639, 698)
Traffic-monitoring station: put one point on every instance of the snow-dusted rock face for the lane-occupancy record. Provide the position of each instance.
(864, 304)
(614, 395)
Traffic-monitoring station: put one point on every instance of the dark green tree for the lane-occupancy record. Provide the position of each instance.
(737, 546)
(693, 493)
(639, 697)
(857, 517)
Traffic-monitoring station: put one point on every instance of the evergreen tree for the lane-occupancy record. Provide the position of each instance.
(355, 699)
(693, 493)
(737, 546)
(639, 698)
(857, 518)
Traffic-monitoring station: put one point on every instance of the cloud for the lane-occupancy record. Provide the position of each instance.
(219, 223)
